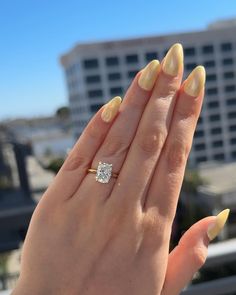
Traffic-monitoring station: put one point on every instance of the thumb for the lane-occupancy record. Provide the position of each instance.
(191, 252)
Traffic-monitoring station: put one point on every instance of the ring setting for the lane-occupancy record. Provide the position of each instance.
(103, 172)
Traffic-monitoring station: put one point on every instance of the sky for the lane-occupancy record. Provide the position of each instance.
(35, 33)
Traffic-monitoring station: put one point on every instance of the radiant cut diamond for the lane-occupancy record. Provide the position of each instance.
(104, 172)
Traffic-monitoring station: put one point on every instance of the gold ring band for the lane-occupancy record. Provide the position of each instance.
(94, 171)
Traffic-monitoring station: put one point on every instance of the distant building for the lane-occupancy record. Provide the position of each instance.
(48, 136)
(219, 192)
(95, 72)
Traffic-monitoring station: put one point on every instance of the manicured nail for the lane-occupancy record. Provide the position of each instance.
(173, 60)
(215, 228)
(148, 75)
(111, 109)
(195, 81)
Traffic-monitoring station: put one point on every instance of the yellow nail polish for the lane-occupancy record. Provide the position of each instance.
(111, 109)
(148, 75)
(215, 228)
(195, 81)
(173, 61)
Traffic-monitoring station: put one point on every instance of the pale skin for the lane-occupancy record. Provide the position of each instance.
(89, 238)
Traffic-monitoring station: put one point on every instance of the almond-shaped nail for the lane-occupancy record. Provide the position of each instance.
(148, 75)
(111, 109)
(215, 228)
(173, 60)
(195, 81)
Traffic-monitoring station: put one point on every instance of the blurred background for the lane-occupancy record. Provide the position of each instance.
(60, 61)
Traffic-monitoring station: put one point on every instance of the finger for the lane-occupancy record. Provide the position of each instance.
(117, 142)
(79, 160)
(152, 131)
(190, 254)
(167, 180)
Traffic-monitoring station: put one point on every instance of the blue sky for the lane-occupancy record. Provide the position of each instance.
(34, 33)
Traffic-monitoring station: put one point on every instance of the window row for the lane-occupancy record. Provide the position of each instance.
(93, 63)
(199, 133)
(98, 93)
(218, 157)
(116, 76)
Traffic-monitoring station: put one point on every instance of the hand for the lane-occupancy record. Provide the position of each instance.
(90, 238)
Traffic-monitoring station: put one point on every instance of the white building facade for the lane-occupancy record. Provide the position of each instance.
(96, 72)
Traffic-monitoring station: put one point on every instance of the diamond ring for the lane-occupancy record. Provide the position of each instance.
(103, 172)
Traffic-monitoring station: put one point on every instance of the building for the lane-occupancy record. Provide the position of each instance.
(219, 192)
(48, 136)
(95, 72)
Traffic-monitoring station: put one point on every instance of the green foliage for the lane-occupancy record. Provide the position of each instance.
(192, 180)
(63, 113)
(3, 263)
(55, 164)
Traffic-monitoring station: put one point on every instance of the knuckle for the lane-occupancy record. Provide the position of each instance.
(198, 257)
(177, 154)
(75, 160)
(93, 132)
(115, 145)
(151, 142)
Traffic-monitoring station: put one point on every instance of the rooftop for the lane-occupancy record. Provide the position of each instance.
(220, 178)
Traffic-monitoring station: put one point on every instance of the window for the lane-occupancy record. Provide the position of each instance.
(211, 77)
(116, 90)
(213, 104)
(232, 128)
(200, 120)
(90, 63)
(209, 63)
(231, 101)
(228, 75)
(131, 58)
(114, 76)
(199, 133)
(112, 61)
(226, 47)
(216, 130)
(227, 61)
(95, 93)
(232, 115)
(151, 55)
(190, 66)
(230, 88)
(199, 147)
(212, 91)
(207, 49)
(214, 118)
(95, 107)
(190, 51)
(233, 155)
(132, 74)
(219, 157)
(217, 143)
(233, 140)
(93, 79)
(201, 159)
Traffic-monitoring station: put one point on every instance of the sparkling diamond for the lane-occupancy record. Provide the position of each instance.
(104, 172)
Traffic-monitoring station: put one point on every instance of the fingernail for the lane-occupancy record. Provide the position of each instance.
(148, 75)
(111, 109)
(215, 228)
(173, 61)
(195, 81)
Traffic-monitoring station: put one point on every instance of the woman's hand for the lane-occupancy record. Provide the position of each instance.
(90, 238)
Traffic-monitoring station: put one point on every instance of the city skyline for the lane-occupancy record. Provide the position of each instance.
(35, 35)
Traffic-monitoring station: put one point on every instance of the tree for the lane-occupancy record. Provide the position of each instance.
(63, 113)
(55, 165)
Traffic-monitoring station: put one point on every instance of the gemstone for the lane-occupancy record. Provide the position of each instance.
(104, 172)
